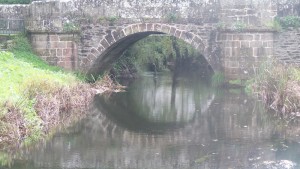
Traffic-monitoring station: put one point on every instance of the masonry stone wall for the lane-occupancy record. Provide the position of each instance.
(55, 15)
(287, 46)
(101, 45)
(247, 13)
(243, 52)
(88, 34)
(57, 49)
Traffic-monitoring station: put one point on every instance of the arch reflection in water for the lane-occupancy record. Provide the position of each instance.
(157, 104)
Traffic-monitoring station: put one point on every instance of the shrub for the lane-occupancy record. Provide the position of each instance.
(289, 21)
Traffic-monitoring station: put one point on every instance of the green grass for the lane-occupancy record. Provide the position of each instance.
(23, 74)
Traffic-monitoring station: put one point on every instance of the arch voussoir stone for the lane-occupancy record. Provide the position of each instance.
(135, 28)
(127, 31)
(165, 29)
(178, 34)
(157, 27)
(187, 37)
(150, 27)
(104, 43)
(118, 34)
(143, 27)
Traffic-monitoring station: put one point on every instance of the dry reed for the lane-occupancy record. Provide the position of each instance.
(58, 106)
(278, 86)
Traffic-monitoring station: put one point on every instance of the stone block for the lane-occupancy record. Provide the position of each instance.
(245, 44)
(110, 39)
(222, 37)
(67, 52)
(59, 45)
(173, 31)
(235, 52)
(256, 44)
(128, 30)
(119, 34)
(59, 52)
(178, 34)
(143, 27)
(42, 51)
(69, 44)
(165, 29)
(43, 37)
(261, 52)
(150, 27)
(66, 37)
(104, 43)
(41, 45)
(68, 65)
(257, 37)
(233, 64)
(228, 52)
(247, 37)
(246, 52)
(135, 28)
(267, 36)
(235, 44)
(95, 52)
(54, 37)
(157, 27)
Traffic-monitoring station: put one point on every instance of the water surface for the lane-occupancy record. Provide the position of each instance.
(166, 122)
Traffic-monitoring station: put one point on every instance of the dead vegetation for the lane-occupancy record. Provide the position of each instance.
(55, 107)
(278, 86)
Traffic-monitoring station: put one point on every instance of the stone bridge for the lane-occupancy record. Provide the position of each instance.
(88, 35)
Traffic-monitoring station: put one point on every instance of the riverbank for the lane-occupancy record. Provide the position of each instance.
(278, 86)
(36, 98)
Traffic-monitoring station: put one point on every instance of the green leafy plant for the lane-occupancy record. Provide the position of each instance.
(156, 53)
(289, 21)
(220, 25)
(111, 20)
(239, 26)
(218, 79)
(70, 27)
(275, 25)
(172, 17)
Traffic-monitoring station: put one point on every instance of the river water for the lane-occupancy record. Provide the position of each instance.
(165, 122)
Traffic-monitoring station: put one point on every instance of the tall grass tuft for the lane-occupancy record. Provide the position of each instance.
(278, 85)
(218, 79)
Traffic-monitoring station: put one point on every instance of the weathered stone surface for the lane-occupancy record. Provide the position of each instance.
(56, 49)
(243, 51)
(99, 31)
(101, 49)
(287, 46)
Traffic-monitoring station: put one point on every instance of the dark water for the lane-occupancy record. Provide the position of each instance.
(167, 123)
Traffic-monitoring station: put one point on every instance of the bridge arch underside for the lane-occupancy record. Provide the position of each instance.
(113, 45)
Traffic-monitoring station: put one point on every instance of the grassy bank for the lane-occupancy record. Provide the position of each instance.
(278, 86)
(36, 98)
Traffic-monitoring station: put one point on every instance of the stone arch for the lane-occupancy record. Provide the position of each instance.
(118, 39)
